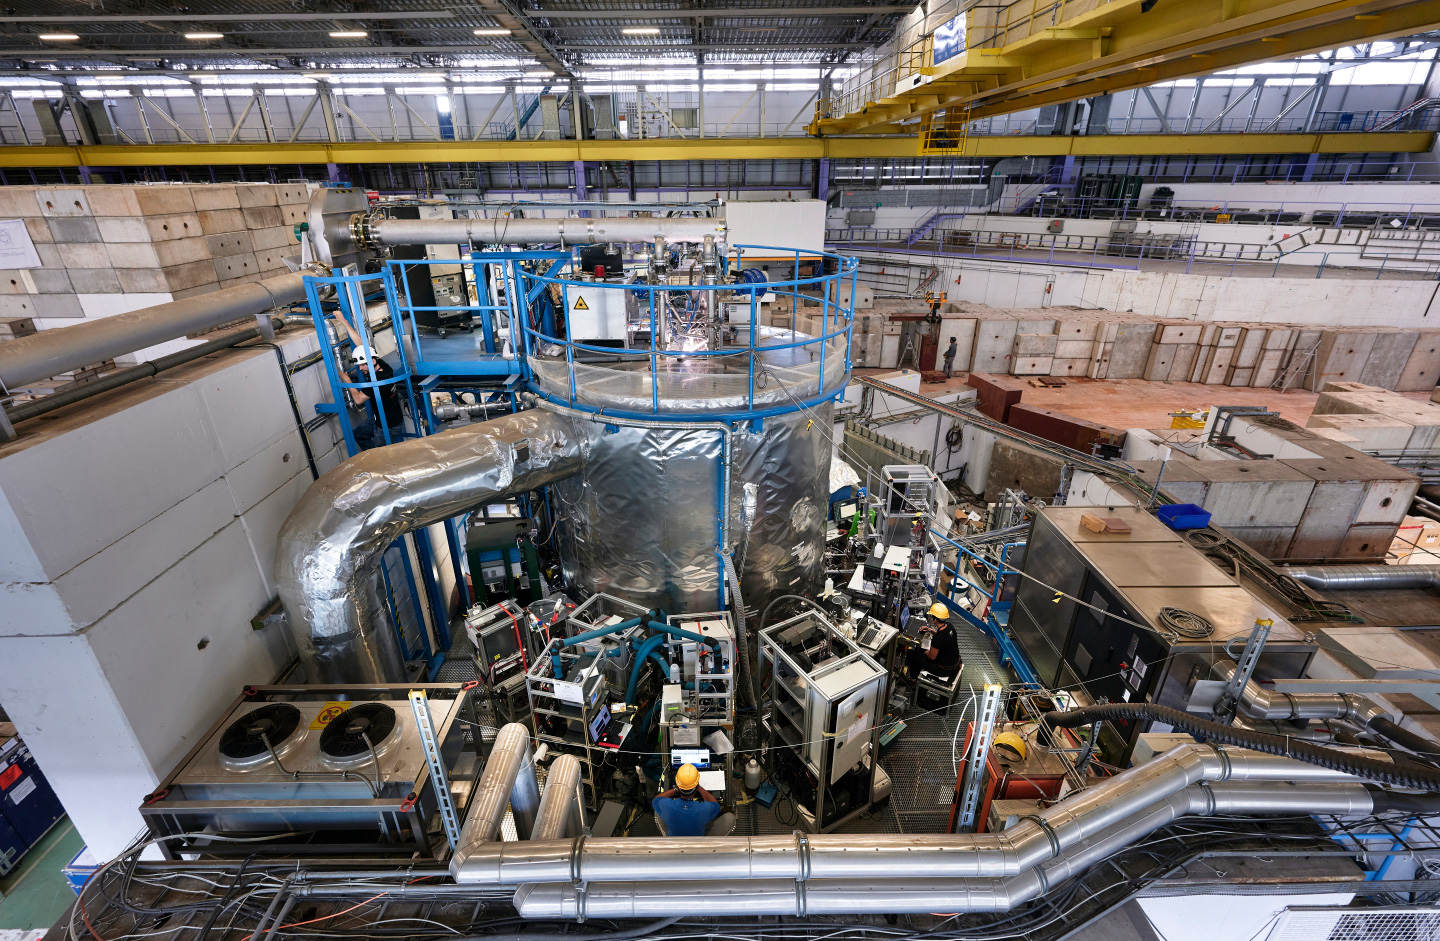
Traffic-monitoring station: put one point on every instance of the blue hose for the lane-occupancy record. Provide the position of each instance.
(641, 655)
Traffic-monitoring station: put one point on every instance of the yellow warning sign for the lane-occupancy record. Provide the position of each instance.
(328, 714)
(580, 303)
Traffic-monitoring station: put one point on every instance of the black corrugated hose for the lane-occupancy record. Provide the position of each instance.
(1382, 772)
(1405, 738)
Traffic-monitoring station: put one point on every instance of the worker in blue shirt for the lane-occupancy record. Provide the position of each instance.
(687, 809)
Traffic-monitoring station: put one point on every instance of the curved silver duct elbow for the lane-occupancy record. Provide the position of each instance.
(330, 546)
(507, 781)
(1257, 702)
(1365, 577)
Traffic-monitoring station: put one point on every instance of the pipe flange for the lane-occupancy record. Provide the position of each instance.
(362, 230)
(802, 852)
(799, 898)
(576, 850)
(1210, 802)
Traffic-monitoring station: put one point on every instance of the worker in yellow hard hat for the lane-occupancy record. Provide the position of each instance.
(939, 650)
(687, 809)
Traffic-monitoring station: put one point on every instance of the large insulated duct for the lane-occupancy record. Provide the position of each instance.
(331, 545)
(876, 889)
(376, 231)
(51, 352)
(829, 856)
(1365, 577)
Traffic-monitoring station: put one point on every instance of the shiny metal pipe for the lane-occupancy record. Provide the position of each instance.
(556, 819)
(330, 546)
(51, 352)
(507, 781)
(1365, 577)
(886, 893)
(1257, 702)
(912, 856)
(375, 231)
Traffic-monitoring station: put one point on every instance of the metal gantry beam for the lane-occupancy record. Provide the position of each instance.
(691, 148)
(1034, 60)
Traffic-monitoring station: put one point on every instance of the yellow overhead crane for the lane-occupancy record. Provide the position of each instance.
(1028, 53)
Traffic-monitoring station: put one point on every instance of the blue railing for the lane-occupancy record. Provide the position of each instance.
(653, 300)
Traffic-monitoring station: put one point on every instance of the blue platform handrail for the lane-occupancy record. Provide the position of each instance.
(834, 312)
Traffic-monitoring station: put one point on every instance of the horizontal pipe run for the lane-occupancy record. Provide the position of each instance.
(882, 891)
(50, 352)
(1365, 577)
(910, 856)
(379, 232)
(84, 390)
(1257, 702)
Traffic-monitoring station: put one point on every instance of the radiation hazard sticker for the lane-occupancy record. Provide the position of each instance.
(328, 714)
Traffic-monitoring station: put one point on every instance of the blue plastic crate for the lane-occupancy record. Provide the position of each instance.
(1183, 516)
(80, 869)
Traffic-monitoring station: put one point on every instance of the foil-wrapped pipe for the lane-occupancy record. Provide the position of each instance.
(507, 781)
(330, 546)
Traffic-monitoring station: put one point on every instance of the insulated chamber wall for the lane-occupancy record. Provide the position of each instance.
(702, 428)
(641, 519)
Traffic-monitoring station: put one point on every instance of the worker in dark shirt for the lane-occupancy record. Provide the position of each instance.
(939, 650)
(369, 368)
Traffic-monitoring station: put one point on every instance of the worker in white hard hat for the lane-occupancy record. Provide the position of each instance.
(939, 650)
(376, 401)
(687, 809)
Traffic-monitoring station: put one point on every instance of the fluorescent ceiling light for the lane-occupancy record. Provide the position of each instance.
(204, 36)
(492, 32)
(641, 31)
(538, 74)
(58, 37)
(314, 74)
(349, 34)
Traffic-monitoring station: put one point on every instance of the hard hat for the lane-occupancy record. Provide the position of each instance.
(1012, 743)
(360, 355)
(938, 610)
(687, 778)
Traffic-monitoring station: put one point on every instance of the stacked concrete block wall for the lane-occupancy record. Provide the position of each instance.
(108, 249)
(1377, 416)
(1103, 344)
(1314, 499)
(137, 539)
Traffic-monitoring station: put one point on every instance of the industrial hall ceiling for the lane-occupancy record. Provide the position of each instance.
(499, 36)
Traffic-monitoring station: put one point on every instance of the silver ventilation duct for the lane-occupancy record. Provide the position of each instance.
(1077, 821)
(508, 780)
(881, 892)
(1259, 703)
(560, 804)
(1365, 577)
(330, 546)
(51, 352)
(376, 231)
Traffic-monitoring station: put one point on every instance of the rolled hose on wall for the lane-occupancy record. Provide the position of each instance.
(1369, 768)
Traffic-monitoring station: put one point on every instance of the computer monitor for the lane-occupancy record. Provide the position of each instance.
(845, 510)
(599, 724)
(699, 757)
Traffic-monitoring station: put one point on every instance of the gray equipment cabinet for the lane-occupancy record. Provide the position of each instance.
(826, 699)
